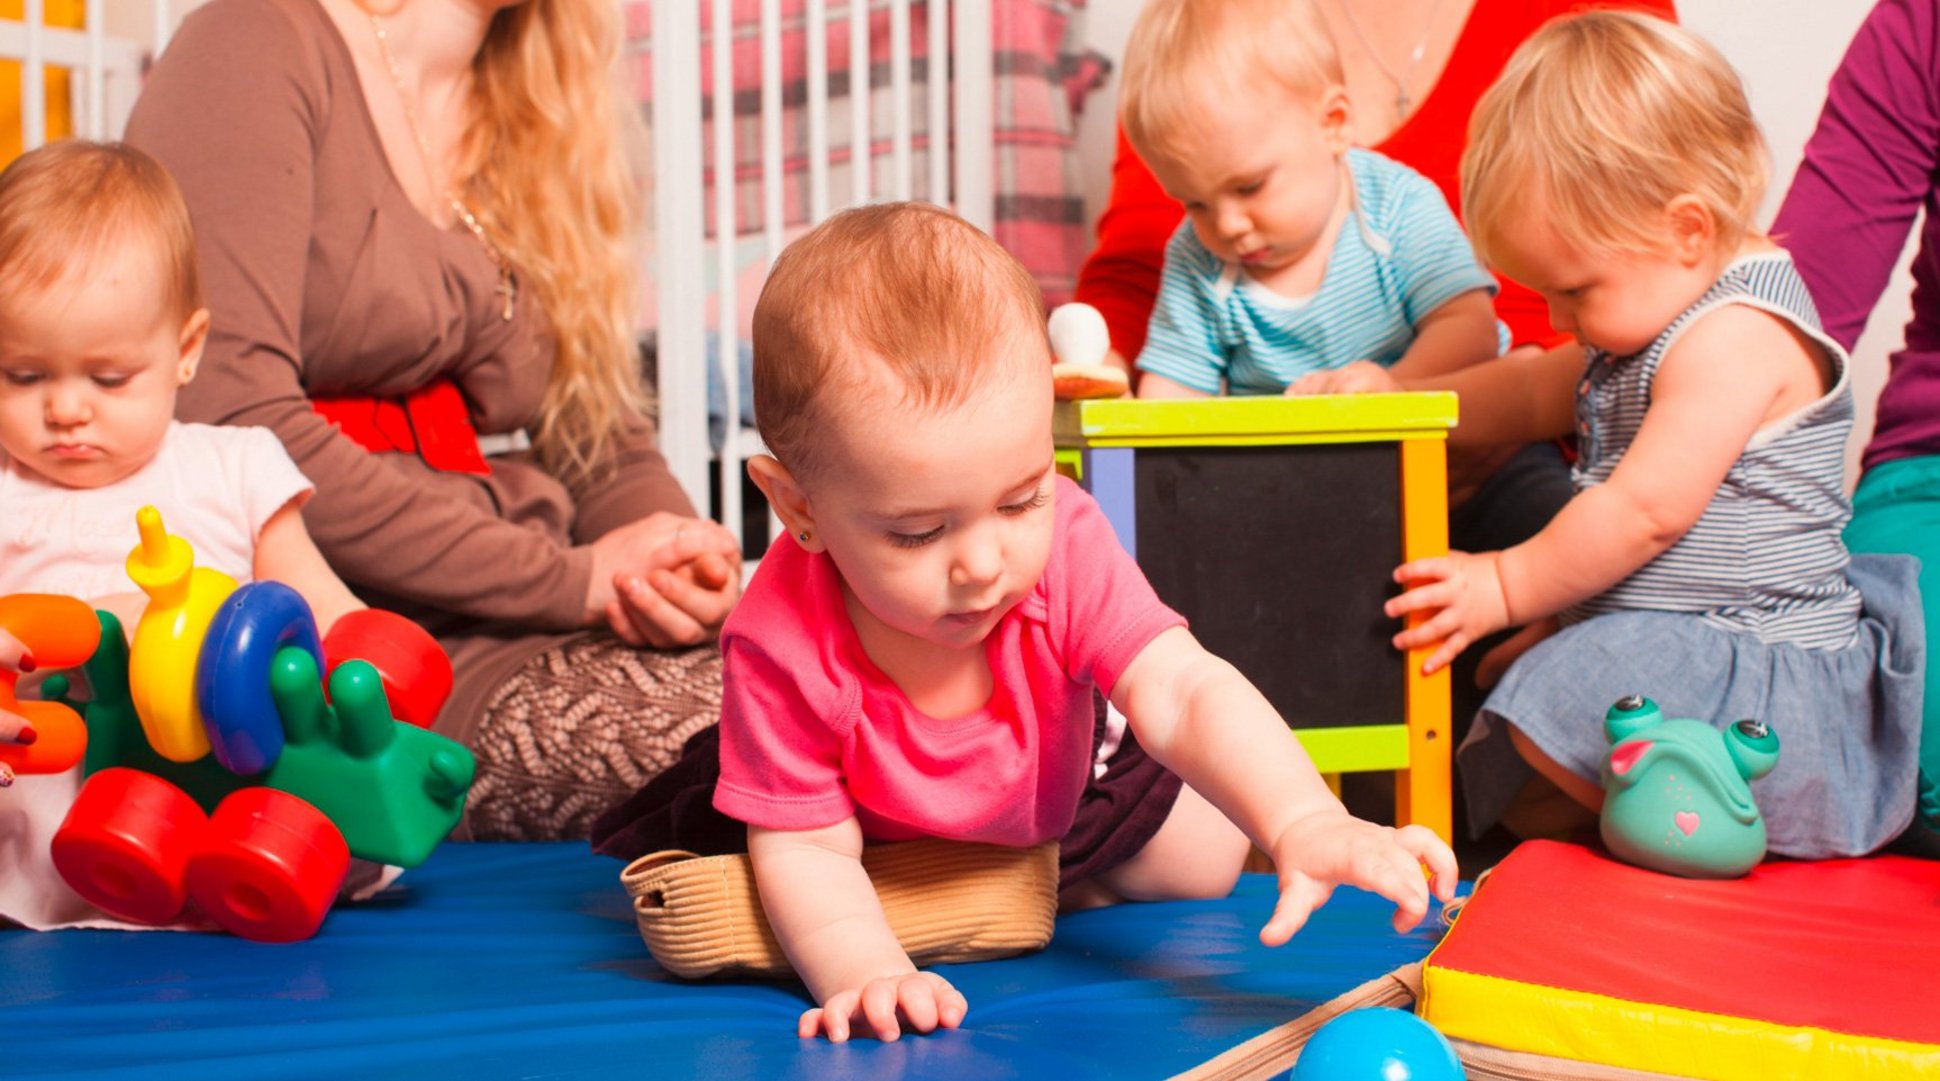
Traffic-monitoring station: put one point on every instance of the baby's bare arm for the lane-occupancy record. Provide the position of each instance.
(285, 553)
(825, 913)
(1204, 720)
(1457, 335)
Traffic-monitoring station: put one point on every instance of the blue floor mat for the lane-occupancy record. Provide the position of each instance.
(522, 961)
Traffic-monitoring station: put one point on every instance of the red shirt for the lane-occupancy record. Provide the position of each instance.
(1121, 276)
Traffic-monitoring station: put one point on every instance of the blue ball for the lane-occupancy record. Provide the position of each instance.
(1377, 1044)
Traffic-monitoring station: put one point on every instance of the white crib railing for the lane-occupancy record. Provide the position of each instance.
(959, 159)
(107, 79)
(106, 70)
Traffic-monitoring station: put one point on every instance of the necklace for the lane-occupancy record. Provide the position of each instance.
(1402, 99)
(508, 285)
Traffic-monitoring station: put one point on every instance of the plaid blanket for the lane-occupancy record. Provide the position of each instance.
(1042, 77)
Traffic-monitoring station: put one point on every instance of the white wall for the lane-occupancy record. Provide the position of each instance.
(1786, 51)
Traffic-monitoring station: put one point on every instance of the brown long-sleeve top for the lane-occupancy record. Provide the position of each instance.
(323, 279)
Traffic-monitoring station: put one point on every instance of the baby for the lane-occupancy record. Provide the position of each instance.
(917, 656)
(1300, 252)
(1701, 559)
(101, 321)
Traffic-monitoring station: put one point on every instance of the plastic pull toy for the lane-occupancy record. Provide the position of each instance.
(417, 674)
(182, 600)
(1677, 793)
(232, 674)
(394, 790)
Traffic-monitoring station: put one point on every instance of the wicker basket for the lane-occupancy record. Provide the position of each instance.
(945, 900)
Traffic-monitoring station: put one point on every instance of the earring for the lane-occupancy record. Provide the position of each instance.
(802, 536)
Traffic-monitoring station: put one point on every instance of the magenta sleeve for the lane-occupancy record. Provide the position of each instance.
(1869, 167)
(1103, 610)
(781, 757)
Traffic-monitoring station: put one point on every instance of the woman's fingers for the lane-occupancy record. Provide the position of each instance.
(654, 619)
(13, 653)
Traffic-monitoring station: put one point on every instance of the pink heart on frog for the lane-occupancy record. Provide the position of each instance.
(1686, 821)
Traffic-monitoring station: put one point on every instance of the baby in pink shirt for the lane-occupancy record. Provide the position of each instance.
(918, 657)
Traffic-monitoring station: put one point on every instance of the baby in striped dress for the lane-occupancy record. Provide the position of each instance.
(1615, 168)
(1300, 253)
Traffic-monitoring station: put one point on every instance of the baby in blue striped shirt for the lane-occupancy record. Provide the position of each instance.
(1301, 253)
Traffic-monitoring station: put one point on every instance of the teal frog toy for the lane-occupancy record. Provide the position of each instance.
(1677, 792)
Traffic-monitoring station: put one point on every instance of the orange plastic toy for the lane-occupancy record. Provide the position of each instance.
(59, 632)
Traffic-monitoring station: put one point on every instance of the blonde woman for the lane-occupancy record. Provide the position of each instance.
(414, 223)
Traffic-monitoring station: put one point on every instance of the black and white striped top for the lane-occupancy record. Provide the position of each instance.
(1766, 557)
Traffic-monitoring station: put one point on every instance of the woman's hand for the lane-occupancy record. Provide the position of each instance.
(1465, 594)
(13, 727)
(665, 581)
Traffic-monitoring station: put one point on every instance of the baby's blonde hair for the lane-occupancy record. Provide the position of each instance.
(65, 204)
(910, 287)
(1186, 54)
(1608, 116)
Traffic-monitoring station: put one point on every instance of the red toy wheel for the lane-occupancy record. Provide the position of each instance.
(125, 843)
(271, 867)
(416, 673)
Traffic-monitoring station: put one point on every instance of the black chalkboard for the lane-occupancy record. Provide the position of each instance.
(1281, 557)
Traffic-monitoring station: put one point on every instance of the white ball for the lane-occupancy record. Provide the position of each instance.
(1079, 335)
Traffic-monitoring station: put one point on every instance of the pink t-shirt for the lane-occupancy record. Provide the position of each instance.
(813, 732)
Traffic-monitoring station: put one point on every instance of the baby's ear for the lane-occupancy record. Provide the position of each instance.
(195, 334)
(1337, 118)
(1693, 228)
(785, 496)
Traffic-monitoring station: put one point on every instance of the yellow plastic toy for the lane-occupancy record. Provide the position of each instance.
(182, 599)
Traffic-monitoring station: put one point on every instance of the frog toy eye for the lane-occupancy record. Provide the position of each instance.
(1630, 715)
(1753, 746)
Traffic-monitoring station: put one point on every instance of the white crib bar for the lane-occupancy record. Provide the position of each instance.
(973, 89)
(726, 228)
(938, 100)
(818, 109)
(861, 139)
(94, 76)
(679, 241)
(33, 79)
(903, 177)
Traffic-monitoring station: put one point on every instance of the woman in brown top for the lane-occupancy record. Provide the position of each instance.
(413, 222)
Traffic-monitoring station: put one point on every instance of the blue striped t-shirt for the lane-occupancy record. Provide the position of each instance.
(1400, 256)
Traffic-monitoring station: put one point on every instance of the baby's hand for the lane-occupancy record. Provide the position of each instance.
(923, 1000)
(1331, 848)
(1359, 377)
(1465, 593)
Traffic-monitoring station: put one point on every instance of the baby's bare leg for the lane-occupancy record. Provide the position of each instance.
(1196, 854)
(1576, 788)
(1556, 803)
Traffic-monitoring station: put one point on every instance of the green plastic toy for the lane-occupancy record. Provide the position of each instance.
(1677, 793)
(393, 789)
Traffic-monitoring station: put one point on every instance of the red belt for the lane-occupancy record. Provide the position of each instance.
(431, 422)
